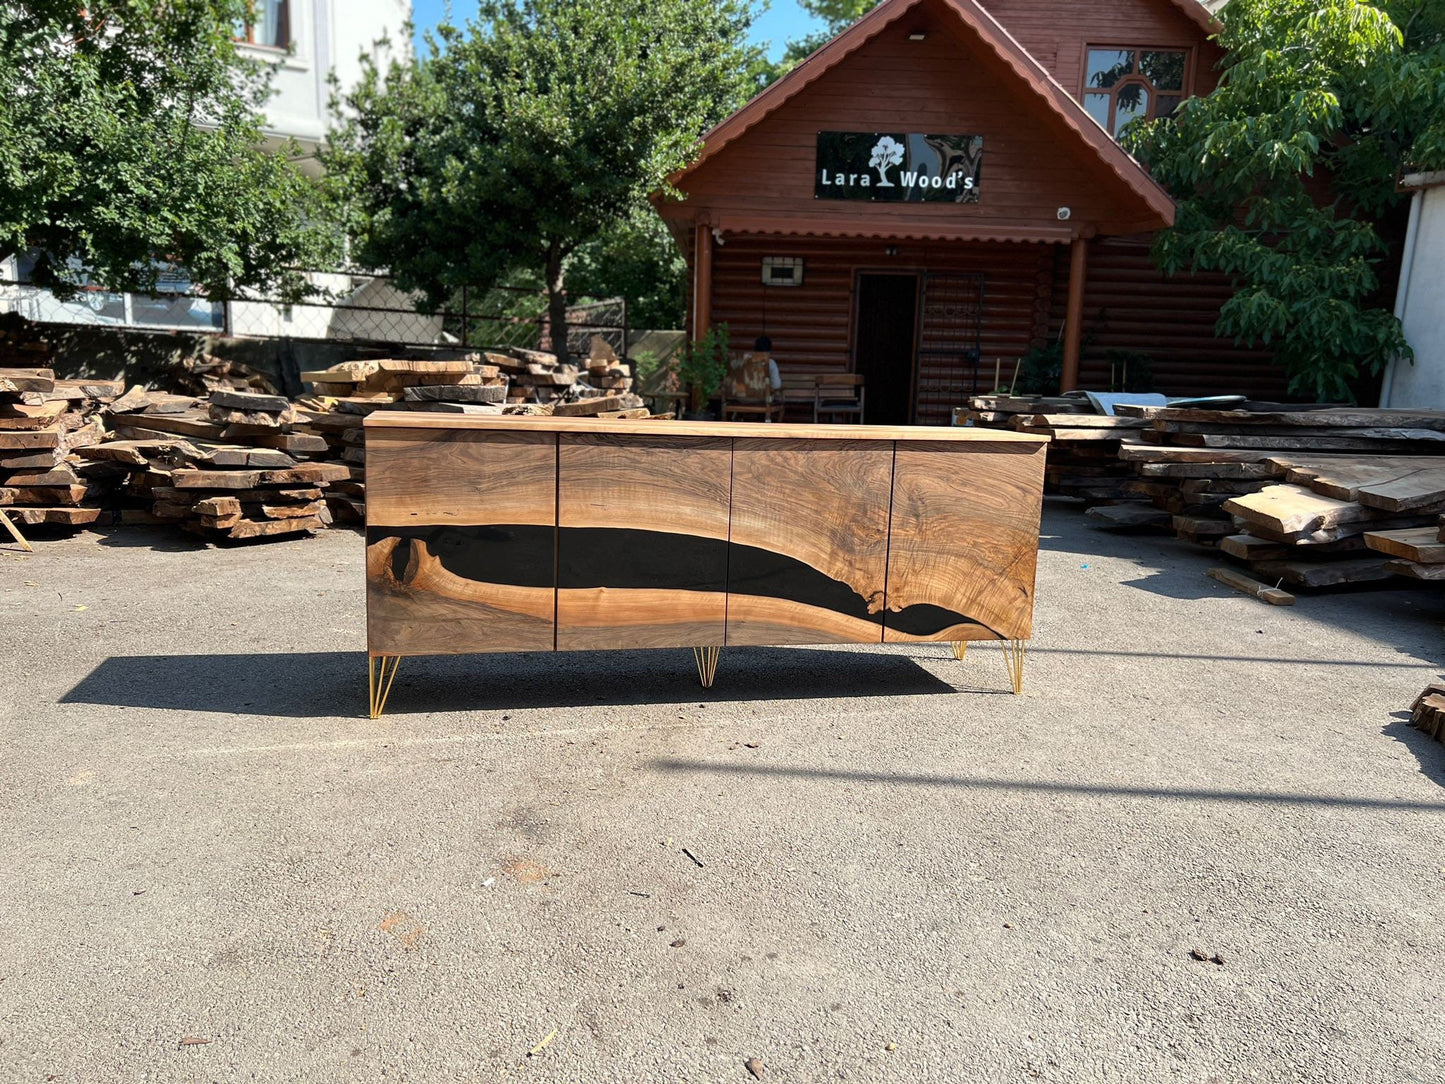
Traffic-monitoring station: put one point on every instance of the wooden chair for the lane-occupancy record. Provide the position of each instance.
(838, 393)
(661, 392)
(748, 390)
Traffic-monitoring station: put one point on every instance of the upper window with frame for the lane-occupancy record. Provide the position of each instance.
(268, 25)
(1123, 85)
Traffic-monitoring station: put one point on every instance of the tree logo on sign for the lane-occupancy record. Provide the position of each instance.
(887, 152)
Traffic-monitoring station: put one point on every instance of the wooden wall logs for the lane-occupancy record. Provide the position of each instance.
(569, 534)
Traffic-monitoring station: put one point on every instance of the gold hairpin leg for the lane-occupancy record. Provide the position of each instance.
(380, 679)
(959, 648)
(1013, 659)
(706, 658)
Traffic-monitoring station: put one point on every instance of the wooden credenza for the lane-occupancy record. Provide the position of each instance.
(542, 534)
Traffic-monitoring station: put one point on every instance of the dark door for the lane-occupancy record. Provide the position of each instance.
(883, 342)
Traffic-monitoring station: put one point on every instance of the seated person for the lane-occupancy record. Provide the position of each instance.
(754, 377)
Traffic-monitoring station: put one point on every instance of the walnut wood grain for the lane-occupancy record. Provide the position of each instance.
(474, 514)
(822, 505)
(633, 511)
(535, 538)
(422, 608)
(461, 476)
(652, 429)
(963, 538)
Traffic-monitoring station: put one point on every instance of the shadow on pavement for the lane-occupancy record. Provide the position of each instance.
(1111, 790)
(1277, 660)
(1429, 752)
(330, 683)
(169, 539)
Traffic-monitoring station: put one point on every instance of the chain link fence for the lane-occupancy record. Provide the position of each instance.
(347, 307)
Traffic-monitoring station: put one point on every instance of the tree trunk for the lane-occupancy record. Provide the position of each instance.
(556, 301)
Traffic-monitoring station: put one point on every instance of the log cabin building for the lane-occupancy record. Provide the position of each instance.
(938, 189)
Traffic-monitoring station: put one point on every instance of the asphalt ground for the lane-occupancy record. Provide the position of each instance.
(903, 871)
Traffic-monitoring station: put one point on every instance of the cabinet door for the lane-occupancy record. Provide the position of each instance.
(641, 541)
(461, 532)
(809, 552)
(964, 540)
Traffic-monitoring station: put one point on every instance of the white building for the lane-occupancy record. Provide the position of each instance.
(1420, 300)
(307, 40)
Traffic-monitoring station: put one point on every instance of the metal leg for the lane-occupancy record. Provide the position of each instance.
(15, 531)
(959, 648)
(706, 658)
(1013, 659)
(380, 679)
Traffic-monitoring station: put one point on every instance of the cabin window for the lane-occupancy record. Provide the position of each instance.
(1121, 85)
(268, 24)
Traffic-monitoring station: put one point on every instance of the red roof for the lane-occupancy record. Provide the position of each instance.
(983, 25)
(1198, 14)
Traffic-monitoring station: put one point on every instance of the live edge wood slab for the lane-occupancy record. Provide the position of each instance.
(561, 534)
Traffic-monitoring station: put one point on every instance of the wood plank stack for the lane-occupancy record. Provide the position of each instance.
(359, 387)
(489, 382)
(540, 379)
(229, 466)
(1293, 493)
(44, 422)
(346, 393)
(1083, 455)
(203, 374)
(222, 498)
(1427, 713)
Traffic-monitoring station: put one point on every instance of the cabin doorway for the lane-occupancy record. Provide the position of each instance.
(884, 340)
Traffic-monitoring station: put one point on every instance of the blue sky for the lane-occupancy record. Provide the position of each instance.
(783, 20)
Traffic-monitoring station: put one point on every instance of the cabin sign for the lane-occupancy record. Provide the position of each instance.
(910, 167)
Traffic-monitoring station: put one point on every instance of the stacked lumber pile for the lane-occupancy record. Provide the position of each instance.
(44, 423)
(230, 466)
(1183, 490)
(539, 379)
(204, 374)
(345, 394)
(462, 385)
(488, 382)
(1083, 452)
(1293, 493)
(1427, 713)
(225, 498)
(1417, 552)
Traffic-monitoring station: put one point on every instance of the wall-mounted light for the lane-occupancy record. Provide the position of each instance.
(717, 235)
(917, 35)
(891, 250)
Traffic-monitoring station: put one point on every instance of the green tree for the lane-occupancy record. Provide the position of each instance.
(1282, 172)
(637, 259)
(837, 16)
(130, 135)
(529, 132)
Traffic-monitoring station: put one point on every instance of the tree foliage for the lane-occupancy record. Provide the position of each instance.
(529, 132)
(837, 16)
(130, 135)
(637, 259)
(1282, 171)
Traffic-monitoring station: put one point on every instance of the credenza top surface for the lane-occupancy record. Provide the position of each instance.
(400, 419)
